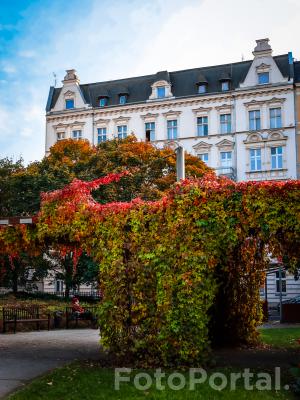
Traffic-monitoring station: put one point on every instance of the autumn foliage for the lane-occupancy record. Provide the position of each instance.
(182, 271)
(179, 272)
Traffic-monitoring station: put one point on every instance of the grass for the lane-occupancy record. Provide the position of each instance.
(281, 337)
(90, 382)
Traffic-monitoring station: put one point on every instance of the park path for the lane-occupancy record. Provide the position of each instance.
(24, 356)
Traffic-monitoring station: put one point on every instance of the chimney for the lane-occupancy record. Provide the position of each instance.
(262, 48)
(71, 77)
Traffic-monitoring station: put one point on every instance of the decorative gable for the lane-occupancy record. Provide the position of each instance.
(263, 62)
(202, 147)
(225, 145)
(161, 84)
(70, 91)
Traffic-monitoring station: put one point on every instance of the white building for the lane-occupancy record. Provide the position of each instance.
(239, 118)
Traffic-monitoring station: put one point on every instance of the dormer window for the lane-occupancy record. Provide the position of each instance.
(202, 88)
(123, 99)
(201, 83)
(70, 104)
(103, 101)
(161, 87)
(161, 92)
(263, 78)
(225, 86)
(225, 80)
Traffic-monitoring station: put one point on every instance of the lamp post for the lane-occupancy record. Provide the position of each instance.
(180, 163)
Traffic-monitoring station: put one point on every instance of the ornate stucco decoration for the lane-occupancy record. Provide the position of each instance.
(202, 147)
(225, 145)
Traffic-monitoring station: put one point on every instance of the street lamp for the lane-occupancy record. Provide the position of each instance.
(180, 163)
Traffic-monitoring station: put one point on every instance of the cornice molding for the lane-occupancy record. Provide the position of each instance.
(77, 123)
(276, 100)
(121, 119)
(224, 107)
(201, 110)
(254, 103)
(171, 112)
(202, 145)
(149, 115)
(101, 121)
(225, 143)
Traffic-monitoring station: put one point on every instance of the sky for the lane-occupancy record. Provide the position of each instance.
(111, 39)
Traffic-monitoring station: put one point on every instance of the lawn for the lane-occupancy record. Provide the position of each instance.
(90, 382)
(281, 337)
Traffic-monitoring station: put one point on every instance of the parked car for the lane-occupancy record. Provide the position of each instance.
(294, 300)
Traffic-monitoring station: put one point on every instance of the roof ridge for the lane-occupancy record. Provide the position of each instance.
(172, 72)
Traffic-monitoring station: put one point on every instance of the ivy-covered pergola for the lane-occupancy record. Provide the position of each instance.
(179, 273)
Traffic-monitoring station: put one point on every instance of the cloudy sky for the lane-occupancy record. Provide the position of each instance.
(110, 39)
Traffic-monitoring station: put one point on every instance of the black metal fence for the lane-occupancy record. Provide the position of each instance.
(89, 296)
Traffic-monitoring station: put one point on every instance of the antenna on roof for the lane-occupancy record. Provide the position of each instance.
(242, 57)
(54, 75)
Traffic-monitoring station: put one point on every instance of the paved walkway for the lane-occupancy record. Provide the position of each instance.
(278, 325)
(24, 356)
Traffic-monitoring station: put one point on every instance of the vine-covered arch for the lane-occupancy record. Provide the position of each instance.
(179, 272)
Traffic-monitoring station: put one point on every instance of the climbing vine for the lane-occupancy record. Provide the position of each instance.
(182, 272)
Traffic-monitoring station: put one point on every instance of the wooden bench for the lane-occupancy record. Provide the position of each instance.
(76, 316)
(15, 315)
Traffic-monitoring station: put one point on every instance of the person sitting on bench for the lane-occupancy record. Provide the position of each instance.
(81, 312)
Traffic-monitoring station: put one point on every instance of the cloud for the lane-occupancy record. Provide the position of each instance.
(27, 53)
(9, 68)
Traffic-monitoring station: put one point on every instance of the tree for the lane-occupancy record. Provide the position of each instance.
(153, 172)
(8, 188)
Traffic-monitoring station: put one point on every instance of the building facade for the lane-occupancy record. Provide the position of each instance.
(297, 113)
(239, 118)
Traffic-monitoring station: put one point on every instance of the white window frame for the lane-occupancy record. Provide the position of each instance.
(103, 134)
(275, 118)
(152, 129)
(201, 126)
(283, 282)
(204, 157)
(172, 128)
(60, 135)
(154, 93)
(257, 157)
(276, 157)
(59, 284)
(68, 99)
(261, 73)
(122, 131)
(225, 123)
(255, 119)
(227, 161)
(76, 134)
